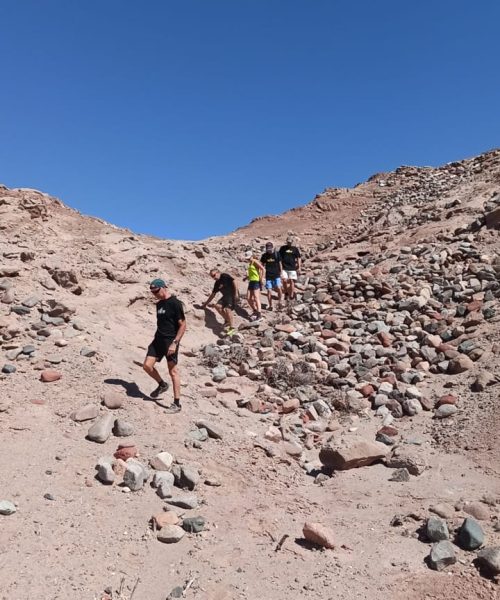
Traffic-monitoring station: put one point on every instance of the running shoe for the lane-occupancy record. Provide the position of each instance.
(161, 389)
(173, 409)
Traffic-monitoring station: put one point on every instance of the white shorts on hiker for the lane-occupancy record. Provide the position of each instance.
(289, 275)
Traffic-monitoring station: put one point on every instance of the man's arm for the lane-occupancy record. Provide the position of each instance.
(180, 332)
(299, 260)
(208, 300)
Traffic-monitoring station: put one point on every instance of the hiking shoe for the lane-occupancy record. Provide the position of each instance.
(161, 389)
(173, 408)
(230, 331)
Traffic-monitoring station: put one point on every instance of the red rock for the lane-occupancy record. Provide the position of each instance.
(385, 338)
(388, 430)
(327, 334)
(427, 403)
(474, 306)
(318, 534)
(367, 390)
(165, 518)
(355, 453)
(447, 399)
(389, 379)
(286, 328)
(290, 405)
(38, 402)
(126, 453)
(50, 375)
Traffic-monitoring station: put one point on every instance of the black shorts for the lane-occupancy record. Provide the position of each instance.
(227, 301)
(158, 348)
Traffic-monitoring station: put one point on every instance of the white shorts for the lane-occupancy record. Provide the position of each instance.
(290, 275)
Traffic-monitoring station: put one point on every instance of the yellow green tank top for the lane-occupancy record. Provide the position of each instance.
(253, 272)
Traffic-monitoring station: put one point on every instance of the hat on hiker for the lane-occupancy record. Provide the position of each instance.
(289, 240)
(269, 245)
(157, 283)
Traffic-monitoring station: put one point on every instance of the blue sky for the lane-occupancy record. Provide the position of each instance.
(187, 118)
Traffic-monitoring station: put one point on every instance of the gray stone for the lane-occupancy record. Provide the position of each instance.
(407, 458)
(87, 352)
(193, 524)
(183, 500)
(29, 349)
(445, 410)
(170, 534)
(105, 472)
(199, 435)
(436, 529)
(31, 301)
(7, 508)
(164, 483)
(162, 461)
(85, 413)
(212, 430)
(401, 475)
(490, 559)
(219, 373)
(13, 354)
(101, 429)
(442, 555)
(135, 475)
(471, 535)
(123, 428)
(8, 369)
(190, 477)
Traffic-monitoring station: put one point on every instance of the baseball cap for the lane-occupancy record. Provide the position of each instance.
(269, 245)
(157, 283)
(289, 239)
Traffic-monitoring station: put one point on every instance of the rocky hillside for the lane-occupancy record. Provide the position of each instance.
(347, 445)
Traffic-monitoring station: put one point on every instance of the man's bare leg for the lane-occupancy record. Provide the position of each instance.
(270, 299)
(176, 379)
(149, 367)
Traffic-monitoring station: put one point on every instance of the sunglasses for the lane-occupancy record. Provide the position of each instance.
(154, 290)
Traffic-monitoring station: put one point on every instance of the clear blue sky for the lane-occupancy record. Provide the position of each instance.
(188, 118)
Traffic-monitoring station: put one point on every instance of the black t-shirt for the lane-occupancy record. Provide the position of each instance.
(168, 314)
(225, 285)
(272, 263)
(289, 256)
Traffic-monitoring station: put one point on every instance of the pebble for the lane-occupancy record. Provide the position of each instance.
(162, 461)
(105, 472)
(163, 519)
(8, 369)
(212, 430)
(183, 500)
(400, 475)
(445, 411)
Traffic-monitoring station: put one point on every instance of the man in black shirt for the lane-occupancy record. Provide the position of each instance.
(291, 261)
(225, 284)
(171, 325)
(272, 263)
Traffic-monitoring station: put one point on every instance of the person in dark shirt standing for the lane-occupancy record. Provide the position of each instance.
(225, 306)
(291, 261)
(171, 325)
(272, 264)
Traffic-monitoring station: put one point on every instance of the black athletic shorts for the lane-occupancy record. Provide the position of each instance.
(158, 348)
(227, 301)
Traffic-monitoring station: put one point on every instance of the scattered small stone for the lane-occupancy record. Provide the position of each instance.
(49, 496)
(87, 352)
(445, 411)
(8, 369)
(105, 472)
(356, 453)
(163, 519)
(477, 510)
(183, 501)
(162, 461)
(212, 430)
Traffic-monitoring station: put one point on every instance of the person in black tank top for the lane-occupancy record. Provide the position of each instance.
(170, 327)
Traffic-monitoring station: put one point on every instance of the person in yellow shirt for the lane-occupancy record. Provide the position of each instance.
(255, 276)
